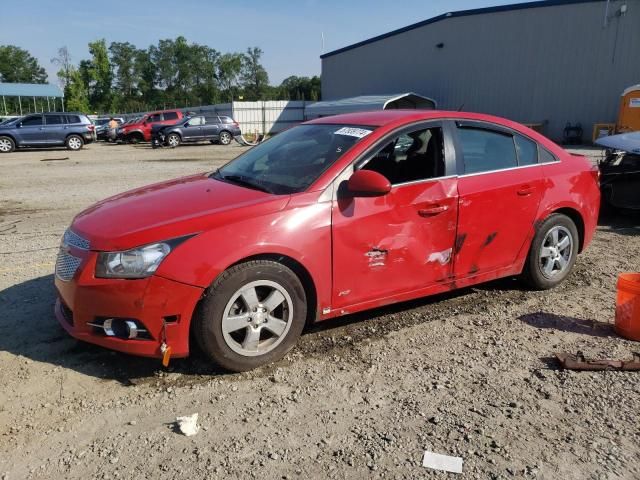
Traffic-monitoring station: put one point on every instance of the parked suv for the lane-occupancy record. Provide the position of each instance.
(198, 128)
(47, 130)
(141, 131)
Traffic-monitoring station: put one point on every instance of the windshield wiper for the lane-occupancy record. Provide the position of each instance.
(242, 180)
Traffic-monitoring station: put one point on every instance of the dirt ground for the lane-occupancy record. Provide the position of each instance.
(468, 374)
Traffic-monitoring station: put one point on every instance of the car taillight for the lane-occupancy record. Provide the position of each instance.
(91, 127)
(236, 124)
(595, 171)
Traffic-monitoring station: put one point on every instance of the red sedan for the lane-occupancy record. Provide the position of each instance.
(331, 217)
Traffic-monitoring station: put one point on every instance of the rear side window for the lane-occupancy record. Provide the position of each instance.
(73, 119)
(170, 116)
(486, 150)
(544, 156)
(32, 121)
(227, 120)
(54, 119)
(527, 150)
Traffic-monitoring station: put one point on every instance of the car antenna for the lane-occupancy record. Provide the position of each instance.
(460, 107)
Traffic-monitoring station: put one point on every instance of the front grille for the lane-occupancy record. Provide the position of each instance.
(66, 265)
(74, 240)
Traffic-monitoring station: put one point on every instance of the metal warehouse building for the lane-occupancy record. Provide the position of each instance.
(549, 62)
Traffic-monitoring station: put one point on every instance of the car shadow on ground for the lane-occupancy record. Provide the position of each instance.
(621, 222)
(569, 324)
(29, 329)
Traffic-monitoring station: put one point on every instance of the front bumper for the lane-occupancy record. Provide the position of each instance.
(164, 307)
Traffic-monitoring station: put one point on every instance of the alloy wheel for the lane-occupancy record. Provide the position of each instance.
(74, 143)
(257, 318)
(556, 251)
(5, 145)
(173, 141)
(225, 138)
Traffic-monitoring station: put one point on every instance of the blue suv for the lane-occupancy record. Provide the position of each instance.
(51, 129)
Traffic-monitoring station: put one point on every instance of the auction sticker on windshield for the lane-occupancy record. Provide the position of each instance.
(353, 132)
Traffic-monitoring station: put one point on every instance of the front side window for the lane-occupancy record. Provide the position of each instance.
(156, 117)
(486, 150)
(196, 122)
(410, 157)
(170, 116)
(32, 121)
(292, 160)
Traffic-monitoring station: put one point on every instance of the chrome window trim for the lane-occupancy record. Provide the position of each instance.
(423, 180)
(506, 169)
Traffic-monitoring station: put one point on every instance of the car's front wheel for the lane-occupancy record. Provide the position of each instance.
(7, 145)
(173, 140)
(252, 315)
(553, 252)
(74, 142)
(225, 138)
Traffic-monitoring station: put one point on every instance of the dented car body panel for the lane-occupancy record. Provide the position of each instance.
(428, 235)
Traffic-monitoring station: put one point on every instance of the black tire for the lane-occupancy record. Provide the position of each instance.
(225, 138)
(173, 140)
(534, 272)
(7, 145)
(207, 326)
(134, 138)
(155, 143)
(74, 142)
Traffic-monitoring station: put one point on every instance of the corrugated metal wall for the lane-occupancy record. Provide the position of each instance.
(551, 65)
(270, 116)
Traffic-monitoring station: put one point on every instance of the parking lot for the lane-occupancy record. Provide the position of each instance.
(469, 374)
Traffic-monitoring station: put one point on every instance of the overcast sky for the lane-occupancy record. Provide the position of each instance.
(289, 32)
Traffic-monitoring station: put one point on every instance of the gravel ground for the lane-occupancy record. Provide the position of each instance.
(468, 373)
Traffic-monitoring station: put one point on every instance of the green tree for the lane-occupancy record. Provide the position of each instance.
(254, 77)
(76, 92)
(301, 88)
(100, 75)
(228, 74)
(123, 58)
(18, 66)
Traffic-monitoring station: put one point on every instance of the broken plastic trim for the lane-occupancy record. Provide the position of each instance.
(578, 362)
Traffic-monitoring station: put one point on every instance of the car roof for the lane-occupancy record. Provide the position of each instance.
(380, 118)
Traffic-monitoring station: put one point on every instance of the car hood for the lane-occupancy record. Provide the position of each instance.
(627, 142)
(170, 209)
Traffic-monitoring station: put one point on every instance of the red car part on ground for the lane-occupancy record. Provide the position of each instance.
(415, 203)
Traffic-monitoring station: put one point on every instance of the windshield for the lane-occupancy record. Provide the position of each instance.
(292, 160)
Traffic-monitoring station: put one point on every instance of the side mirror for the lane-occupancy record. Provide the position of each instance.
(367, 183)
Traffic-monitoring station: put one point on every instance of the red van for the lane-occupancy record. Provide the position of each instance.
(141, 131)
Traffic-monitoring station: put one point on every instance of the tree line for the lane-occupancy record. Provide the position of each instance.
(119, 77)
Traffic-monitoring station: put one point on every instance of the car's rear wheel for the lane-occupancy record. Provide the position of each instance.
(251, 315)
(225, 138)
(7, 145)
(173, 140)
(553, 252)
(74, 142)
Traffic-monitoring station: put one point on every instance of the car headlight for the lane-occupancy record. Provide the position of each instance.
(138, 262)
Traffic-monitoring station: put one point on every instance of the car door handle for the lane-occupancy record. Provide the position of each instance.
(430, 211)
(525, 191)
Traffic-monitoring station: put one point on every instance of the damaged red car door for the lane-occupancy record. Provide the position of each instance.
(403, 240)
(500, 186)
